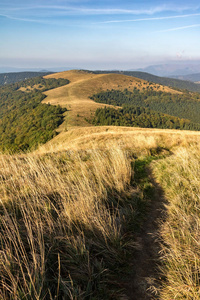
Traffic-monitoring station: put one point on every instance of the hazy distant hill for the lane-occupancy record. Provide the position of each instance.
(42, 69)
(191, 77)
(8, 78)
(172, 82)
(173, 69)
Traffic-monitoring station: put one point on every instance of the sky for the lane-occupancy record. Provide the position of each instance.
(104, 34)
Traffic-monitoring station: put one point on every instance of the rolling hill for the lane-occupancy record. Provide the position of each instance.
(97, 212)
(166, 81)
(190, 77)
(75, 92)
(173, 68)
(76, 96)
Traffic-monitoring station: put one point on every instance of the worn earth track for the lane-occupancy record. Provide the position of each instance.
(145, 280)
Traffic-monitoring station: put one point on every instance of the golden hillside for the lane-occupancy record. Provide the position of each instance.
(75, 96)
(139, 139)
(88, 209)
(82, 217)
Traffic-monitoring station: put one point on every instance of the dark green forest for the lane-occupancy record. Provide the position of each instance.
(149, 108)
(24, 121)
(140, 117)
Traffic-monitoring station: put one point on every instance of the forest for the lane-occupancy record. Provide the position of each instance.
(149, 108)
(24, 121)
(140, 117)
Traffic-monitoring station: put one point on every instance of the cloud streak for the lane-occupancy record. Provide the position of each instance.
(25, 19)
(151, 19)
(44, 13)
(179, 28)
(96, 11)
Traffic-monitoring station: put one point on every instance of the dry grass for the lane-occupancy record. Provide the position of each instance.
(179, 175)
(58, 228)
(137, 139)
(63, 208)
(75, 96)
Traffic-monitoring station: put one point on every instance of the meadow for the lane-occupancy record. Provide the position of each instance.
(104, 212)
(70, 217)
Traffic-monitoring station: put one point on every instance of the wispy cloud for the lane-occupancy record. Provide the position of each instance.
(88, 10)
(25, 19)
(44, 13)
(179, 28)
(98, 11)
(151, 19)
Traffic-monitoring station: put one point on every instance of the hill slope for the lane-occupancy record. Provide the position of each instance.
(190, 77)
(76, 96)
(82, 217)
(24, 121)
(171, 82)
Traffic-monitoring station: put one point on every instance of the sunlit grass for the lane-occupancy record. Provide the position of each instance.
(67, 213)
(179, 175)
(60, 223)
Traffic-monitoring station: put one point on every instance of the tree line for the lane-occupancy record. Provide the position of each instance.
(148, 108)
(140, 117)
(185, 105)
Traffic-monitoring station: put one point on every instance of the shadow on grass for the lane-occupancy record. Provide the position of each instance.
(145, 279)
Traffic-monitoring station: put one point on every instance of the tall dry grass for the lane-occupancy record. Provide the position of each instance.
(137, 139)
(60, 220)
(179, 175)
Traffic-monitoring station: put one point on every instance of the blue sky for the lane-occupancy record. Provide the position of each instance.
(98, 34)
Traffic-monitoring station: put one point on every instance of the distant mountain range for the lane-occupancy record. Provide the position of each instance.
(173, 69)
(191, 77)
(53, 69)
(8, 78)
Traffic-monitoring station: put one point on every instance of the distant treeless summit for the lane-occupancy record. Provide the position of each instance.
(76, 95)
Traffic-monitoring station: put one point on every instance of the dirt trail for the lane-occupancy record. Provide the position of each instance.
(144, 282)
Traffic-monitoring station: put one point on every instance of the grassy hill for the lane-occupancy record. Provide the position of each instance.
(104, 212)
(171, 82)
(76, 96)
(81, 217)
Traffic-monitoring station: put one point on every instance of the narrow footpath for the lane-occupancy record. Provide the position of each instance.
(145, 279)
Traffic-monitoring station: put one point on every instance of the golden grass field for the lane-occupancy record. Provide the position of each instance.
(84, 138)
(69, 210)
(58, 213)
(75, 95)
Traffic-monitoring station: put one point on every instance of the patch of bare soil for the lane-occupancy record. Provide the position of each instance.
(145, 280)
